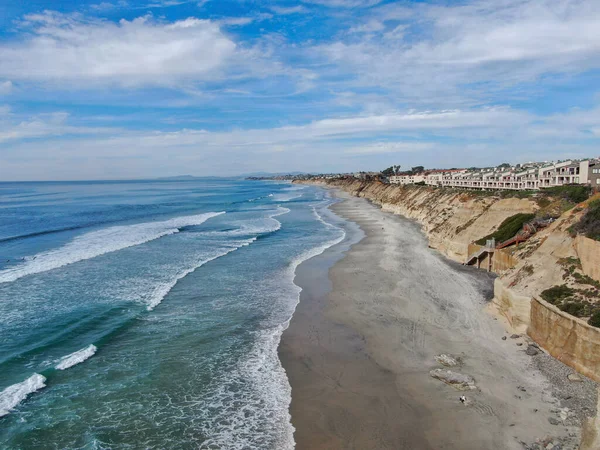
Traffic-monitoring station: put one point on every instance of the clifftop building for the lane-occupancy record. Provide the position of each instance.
(528, 176)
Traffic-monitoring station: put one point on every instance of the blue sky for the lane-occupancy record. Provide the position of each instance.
(129, 89)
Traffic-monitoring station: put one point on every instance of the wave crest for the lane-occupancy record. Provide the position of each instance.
(96, 243)
(77, 357)
(15, 394)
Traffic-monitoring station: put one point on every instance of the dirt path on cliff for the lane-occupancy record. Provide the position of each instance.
(358, 358)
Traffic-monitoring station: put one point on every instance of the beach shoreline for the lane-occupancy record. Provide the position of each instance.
(374, 312)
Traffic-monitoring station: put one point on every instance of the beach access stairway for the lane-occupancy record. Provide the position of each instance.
(491, 256)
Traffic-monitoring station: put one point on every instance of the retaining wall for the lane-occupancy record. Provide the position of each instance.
(588, 251)
(567, 338)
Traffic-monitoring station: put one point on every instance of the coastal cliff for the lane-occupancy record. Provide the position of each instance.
(452, 220)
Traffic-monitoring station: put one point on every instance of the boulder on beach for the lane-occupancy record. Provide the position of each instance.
(446, 360)
(458, 380)
(574, 377)
(532, 350)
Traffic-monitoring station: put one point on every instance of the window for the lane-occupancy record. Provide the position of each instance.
(597, 180)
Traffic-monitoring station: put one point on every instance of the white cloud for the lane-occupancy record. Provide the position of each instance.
(451, 50)
(282, 10)
(43, 126)
(166, 3)
(107, 6)
(142, 51)
(368, 27)
(389, 147)
(236, 21)
(6, 87)
(478, 136)
(345, 3)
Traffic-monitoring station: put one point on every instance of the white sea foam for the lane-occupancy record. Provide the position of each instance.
(247, 227)
(286, 197)
(294, 188)
(320, 219)
(161, 291)
(15, 394)
(261, 381)
(96, 243)
(76, 357)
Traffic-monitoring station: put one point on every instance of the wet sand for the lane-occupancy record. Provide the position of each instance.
(364, 336)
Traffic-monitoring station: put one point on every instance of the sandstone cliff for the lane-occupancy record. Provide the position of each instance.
(454, 219)
(450, 219)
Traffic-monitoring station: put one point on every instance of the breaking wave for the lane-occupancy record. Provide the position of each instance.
(15, 394)
(96, 243)
(161, 291)
(77, 357)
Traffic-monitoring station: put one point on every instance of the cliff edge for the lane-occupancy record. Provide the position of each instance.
(551, 286)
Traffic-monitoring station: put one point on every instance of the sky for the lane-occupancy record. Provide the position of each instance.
(122, 89)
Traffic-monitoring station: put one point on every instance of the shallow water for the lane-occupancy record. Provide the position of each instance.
(147, 314)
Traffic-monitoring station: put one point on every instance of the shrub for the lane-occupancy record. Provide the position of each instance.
(584, 279)
(509, 228)
(576, 309)
(570, 260)
(595, 319)
(517, 194)
(557, 294)
(543, 202)
(528, 269)
(589, 224)
(574, 193)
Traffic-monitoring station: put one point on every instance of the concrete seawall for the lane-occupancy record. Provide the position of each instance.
(567, 338)
(588, 251)
(515, 308)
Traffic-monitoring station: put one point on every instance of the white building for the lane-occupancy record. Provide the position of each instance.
(532, 176)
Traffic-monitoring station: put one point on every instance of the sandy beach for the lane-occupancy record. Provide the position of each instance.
(374, 313)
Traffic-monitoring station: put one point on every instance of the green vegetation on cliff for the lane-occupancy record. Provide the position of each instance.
(589, 225)
(508, 229)
(573, 193)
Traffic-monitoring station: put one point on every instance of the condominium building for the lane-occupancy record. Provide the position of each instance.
(530, 176)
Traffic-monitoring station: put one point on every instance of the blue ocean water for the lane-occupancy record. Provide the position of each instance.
(147, 314)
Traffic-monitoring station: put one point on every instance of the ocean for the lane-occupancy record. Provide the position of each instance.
(147, 314)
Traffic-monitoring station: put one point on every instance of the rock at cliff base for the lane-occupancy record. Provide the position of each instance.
(446, 360)
(515, 336)
(457, 380)
(574, 377)
(531, 350)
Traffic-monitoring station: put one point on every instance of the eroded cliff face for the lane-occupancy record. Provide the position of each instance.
(451, 220)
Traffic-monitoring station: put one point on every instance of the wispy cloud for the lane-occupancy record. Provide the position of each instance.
(285, 10)
(388, 147)
(6, 87)
(431, 52)
(320, 85)
(45, 125)
(408, 133)
(345, 3)
(107, 6)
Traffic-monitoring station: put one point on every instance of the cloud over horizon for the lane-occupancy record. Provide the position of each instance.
(328, 84)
